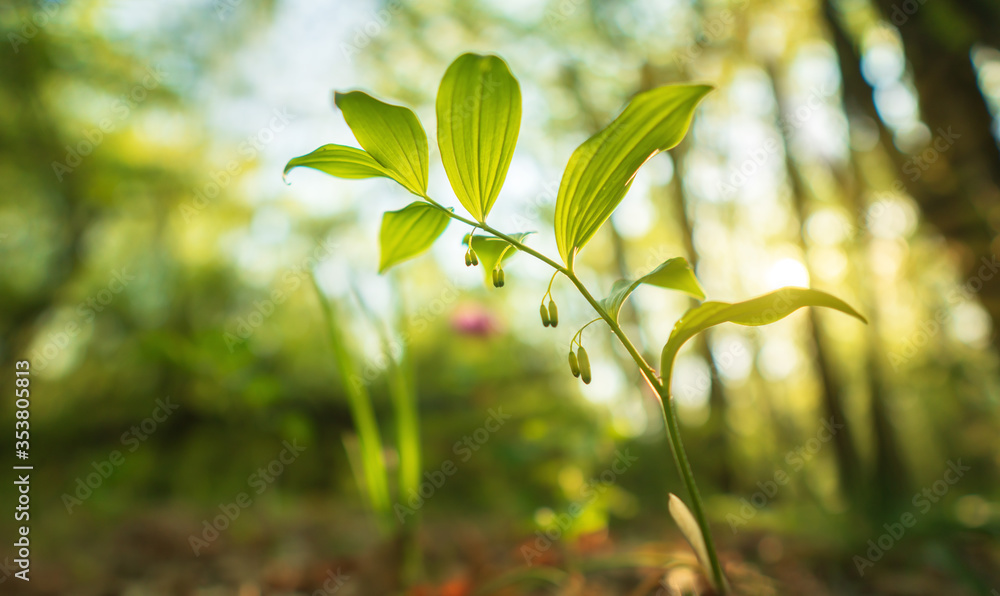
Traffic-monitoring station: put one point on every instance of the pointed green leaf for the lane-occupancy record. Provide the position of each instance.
(478, 115)
(408, 232)
(492, 250)
(762, 310)
(691, 531)
(601, 170)
(391, 135)
(672, 274)
(340, 161)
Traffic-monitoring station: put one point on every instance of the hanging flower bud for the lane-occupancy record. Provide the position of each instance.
(574, 366)
(496, 278)
(583, 361)
(545, 315)
(468, 258)
(500, 277)
(474, 257)
(553, 313)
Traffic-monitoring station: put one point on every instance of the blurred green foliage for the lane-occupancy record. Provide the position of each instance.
(171, 261)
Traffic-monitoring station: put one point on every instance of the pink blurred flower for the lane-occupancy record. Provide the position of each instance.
(473, 319)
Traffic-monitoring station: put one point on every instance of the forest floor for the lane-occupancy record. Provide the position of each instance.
(306, 550)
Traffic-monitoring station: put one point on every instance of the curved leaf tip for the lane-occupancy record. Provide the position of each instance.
(762, 310)
(339, 161)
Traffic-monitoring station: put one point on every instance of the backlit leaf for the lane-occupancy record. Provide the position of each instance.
(491, 250)
(692, 532)
(601, 170)
(391, 135)
(478, 118)
(762, 310)
(340, 161)
(408, 232)
(672, 274)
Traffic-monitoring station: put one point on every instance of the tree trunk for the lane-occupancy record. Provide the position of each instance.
(959, 193)
(848, 460)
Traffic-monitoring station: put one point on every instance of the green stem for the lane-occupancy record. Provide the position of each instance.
(684, 467)
(662, 389)
(519, 246)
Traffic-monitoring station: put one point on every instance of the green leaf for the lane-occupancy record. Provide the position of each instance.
(691, 531)
(408, 232)
(492, 250)
(672, 274)
(340, 161)
(391, 135)
(762, 310)
(478, 117)
(601, 170)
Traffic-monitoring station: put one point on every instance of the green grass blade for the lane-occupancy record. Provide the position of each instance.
(360, 404)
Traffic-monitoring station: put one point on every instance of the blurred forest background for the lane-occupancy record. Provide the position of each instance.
(156, 274)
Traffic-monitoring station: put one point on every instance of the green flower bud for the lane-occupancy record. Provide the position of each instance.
(474, 257)
(545, 315)
(574, 367)
(468, 259)
(500, 277)
(496, 278)
(584, 363)
(553, 313)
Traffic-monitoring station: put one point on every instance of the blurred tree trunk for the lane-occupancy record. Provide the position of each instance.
(888, 478)
(31, 147)
(959, 193)
(848, 460)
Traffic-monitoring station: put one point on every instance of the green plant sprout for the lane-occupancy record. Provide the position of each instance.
(365, 449)
(478, 119)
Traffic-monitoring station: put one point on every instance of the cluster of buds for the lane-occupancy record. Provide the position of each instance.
(579, 364)
(550, 314)
(579, 361)
(471, 259)
(498, 276)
